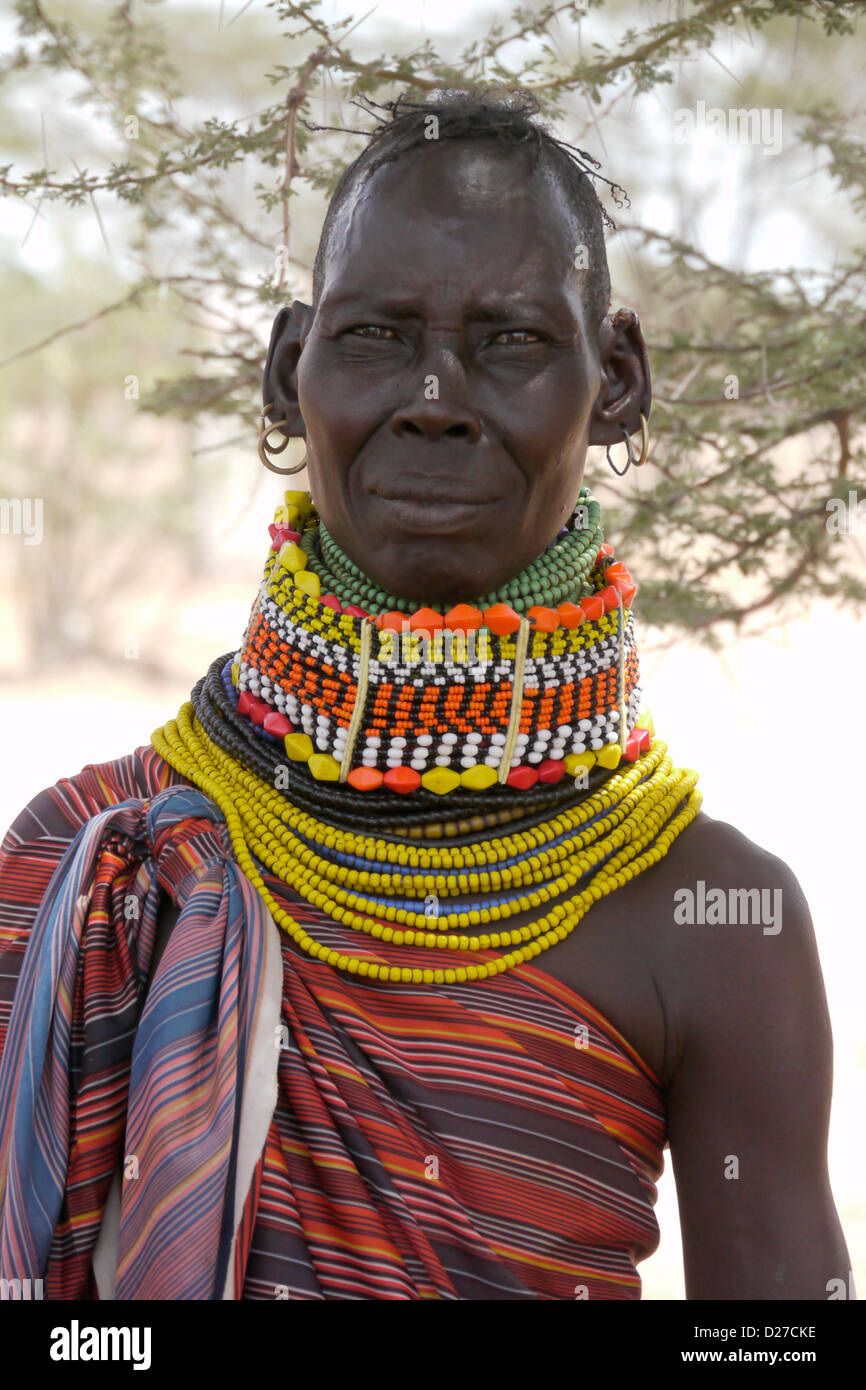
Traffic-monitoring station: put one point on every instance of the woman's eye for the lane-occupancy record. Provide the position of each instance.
(518, 336)
(372, 330)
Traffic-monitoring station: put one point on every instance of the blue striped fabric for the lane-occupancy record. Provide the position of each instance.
(79, 1039)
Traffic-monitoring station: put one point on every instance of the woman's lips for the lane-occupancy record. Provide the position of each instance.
(428, 513)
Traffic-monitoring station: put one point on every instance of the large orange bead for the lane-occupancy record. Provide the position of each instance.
(402, 779)
(593, 607)
(501, 619)
(627, 588)
(426, 618)
(571, 614)
(609, 597)
(365, 779)
(463, 618)
(390, 622)
(543, 619)
(618, 567)
(606, 549)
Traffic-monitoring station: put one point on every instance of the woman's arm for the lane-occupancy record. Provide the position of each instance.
(749, 1103)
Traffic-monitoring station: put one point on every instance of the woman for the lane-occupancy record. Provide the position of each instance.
(392, 965)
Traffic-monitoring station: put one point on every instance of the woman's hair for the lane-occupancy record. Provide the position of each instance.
(503, 116)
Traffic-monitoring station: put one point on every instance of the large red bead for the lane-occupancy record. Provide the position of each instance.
(276, 724)
(354, 611)
(331, 601)
(245, 702)
(522, 777)
(402, 779)
(280, 533)
(637, 743)
(551, 770)
(259, 711)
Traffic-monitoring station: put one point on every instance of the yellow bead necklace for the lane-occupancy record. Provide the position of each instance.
(624, 827)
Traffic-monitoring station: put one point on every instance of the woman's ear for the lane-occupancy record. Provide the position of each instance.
(626, 390)
(280, 381)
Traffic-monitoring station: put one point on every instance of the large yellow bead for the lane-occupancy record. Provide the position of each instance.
(610, 755)
(299, 747)
(478, 777)
(440, 780)
(309, 582)
(292, 557)
(236, 673)
(302, 500)
(575, 761)
(281, 517)
(323, 767)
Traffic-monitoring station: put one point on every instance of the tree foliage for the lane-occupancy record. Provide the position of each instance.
(760, 376)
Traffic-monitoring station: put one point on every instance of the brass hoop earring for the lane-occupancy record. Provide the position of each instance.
(644, 449)
(264, 431)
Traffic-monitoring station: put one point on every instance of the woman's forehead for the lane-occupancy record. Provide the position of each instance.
(451, 217)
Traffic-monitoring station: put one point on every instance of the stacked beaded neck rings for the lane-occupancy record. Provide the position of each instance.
(347, 711)
(528, 684)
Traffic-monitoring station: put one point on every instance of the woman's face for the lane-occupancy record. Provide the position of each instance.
(446, 377)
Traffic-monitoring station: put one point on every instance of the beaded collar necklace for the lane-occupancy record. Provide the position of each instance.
(352, 726)
(533, 682)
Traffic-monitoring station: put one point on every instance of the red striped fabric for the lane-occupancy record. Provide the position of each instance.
(479, 1141)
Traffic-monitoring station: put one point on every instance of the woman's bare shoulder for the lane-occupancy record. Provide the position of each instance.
(733, 935)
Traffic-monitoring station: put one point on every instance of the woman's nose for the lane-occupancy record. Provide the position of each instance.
(441, 405)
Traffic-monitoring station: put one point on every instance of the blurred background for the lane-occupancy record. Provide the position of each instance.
(161, 198)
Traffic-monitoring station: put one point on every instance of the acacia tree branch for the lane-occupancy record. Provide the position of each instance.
(131, 298)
